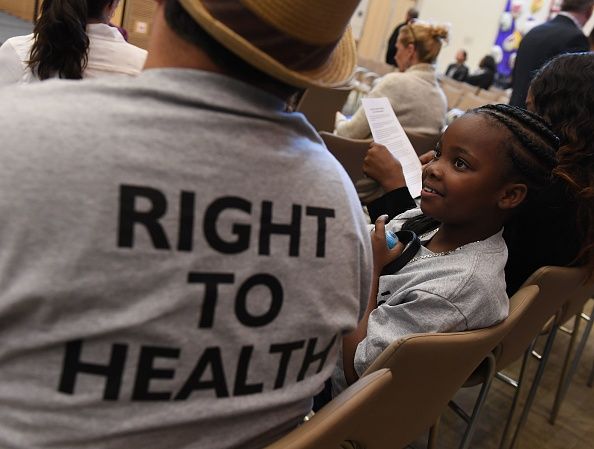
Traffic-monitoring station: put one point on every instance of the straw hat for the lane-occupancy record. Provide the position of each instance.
(301, 42)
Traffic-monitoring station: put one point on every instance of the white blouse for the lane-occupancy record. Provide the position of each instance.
(109, 54)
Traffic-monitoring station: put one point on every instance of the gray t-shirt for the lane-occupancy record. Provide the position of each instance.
(179, 258)
(459, 291)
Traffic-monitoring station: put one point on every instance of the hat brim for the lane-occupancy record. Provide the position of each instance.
(335, 72)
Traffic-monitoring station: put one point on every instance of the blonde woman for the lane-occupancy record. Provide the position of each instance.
(413, 91)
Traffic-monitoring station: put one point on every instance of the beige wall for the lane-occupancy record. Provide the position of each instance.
(474, 26)
(382, 18)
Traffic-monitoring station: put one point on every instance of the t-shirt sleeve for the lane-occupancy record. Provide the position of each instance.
(419, 312)
(11, 67)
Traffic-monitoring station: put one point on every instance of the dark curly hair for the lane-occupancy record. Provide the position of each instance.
(562, 93)
(61, 44)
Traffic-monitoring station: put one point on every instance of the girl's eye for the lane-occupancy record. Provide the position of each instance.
(460, 163)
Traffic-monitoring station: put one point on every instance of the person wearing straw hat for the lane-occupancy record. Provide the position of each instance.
(168, 266)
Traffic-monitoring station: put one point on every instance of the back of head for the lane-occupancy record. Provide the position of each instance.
(562, 93)
(412, 13)
(301, 43)
(426, 37)
(60, 40)
(577, 5)
(488, 62)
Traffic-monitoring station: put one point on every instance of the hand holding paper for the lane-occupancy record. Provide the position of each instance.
(381, 165)
(387, 130)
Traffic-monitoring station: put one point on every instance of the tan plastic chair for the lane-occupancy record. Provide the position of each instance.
(403, 393)
(572, 309)
(490, 96)
(378, 67)
(453, 95)
(319, 106)
(470, 101)
(349, 152)
(422, 142)
(558, 286)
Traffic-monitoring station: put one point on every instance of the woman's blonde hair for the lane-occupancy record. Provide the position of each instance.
(426, 37)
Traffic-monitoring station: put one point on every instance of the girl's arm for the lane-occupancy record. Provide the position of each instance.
(381, 165)
(381, 257)
(397, 198)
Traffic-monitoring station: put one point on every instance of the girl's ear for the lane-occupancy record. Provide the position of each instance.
(512, 195)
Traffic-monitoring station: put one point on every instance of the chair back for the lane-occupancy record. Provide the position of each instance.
(378, 67)
(333, 425)
(578, 298)
(470, 101)
(557, 285)
(490, 96)
(404, 391)
(422, 142)
(453, 94)
(319, 105)
(349, 152)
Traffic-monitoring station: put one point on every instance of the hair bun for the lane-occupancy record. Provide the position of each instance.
(440, 32)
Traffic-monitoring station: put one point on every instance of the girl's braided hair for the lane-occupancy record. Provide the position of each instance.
(531, 151)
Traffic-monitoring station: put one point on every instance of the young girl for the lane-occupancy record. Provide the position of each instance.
(484, 166)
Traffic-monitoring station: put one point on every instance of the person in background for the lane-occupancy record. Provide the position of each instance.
(170, 241)
(458, 70)
(562, 93)
(563, 34)
(413, 91)
(485, 75)
(411, 14)
(72, 39)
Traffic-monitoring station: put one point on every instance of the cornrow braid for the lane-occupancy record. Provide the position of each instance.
(534, 146)
(536, 123)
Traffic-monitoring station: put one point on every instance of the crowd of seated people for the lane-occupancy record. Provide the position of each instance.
(197, 278)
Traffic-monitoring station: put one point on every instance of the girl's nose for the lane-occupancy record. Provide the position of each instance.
(433, 169)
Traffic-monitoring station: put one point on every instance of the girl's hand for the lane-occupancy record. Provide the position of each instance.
(381, 254)
(427, 157)
(381, 165)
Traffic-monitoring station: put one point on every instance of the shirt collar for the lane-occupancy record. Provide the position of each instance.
(213, 89)
(571, 16)
(102, 30)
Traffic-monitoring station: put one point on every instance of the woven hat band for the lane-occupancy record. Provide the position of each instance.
(287, 50)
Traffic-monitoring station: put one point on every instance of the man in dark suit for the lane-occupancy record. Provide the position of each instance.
(563, 34)
(458, 70)
(391, 50)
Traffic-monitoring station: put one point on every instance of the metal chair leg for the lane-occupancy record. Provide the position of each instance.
(480, 401)
(564, 370)
(576, 360)
(534, 387)
(518, 391)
